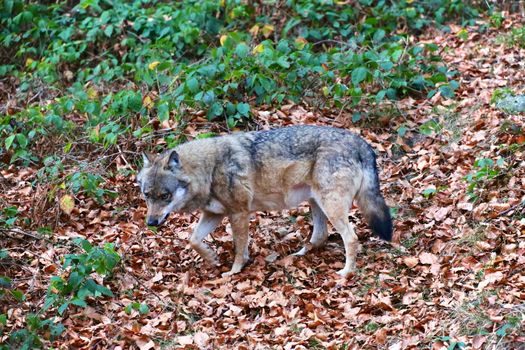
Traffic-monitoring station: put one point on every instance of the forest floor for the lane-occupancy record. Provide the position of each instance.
(454, 277)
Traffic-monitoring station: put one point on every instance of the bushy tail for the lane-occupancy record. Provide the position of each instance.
(371, 202)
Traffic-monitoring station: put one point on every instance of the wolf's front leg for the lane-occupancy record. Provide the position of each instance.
(240, 224)
(207, 223)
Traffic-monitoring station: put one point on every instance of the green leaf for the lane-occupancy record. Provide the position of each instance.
(396, 55)
(3, 254)
(446, 91)
(231, 121)
(230, 108)
(56, 329)
(193, 84)
(49, 301)
(402, 131)
(429, 192)
(18, 295)
(358, 75)
(243, 109)
(63, 308)
(242, 50)
(79, 302)
(3, 319)
(143, 309)
(283, 62)
(164, 65)
(379, 35)
(380, 95)
(109, 30)
(135, 102)
(205, 135)
(216, 109)
(462, 34)
(86, 245)
(9, 141)
(74, 279)
(104, 290)
(5, 282)
(163, 111)
(8, 4)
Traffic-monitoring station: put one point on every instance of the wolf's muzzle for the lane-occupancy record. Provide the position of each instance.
(152, 222)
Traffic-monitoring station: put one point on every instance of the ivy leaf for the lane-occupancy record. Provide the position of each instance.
(5, 282)
(446, 91)
(135, 102)
(9, 141)
(143, 309)
(163, 111)
(18, 295)
(216, 109)
(358, 75)
(193, 84)
(283, 62)
(242, 50)
(243, 109)
(63, 308)
(379, 35)
(109, 30)
(79, 302)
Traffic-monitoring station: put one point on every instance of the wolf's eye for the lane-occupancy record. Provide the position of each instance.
(165, 196)
(146, 194)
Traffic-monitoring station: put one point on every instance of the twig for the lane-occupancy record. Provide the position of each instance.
(122, 156)
(21, 232)
(514, 207)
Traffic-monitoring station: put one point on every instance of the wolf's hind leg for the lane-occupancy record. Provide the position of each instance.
(240, 225)
(335, 208)
(320, 233)
(207, 223)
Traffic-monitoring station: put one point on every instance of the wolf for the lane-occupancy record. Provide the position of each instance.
(243, 172)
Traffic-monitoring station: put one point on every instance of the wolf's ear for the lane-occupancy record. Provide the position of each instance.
(173, 160)
(148, 159)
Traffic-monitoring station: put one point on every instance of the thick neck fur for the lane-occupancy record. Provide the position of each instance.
(197, 159)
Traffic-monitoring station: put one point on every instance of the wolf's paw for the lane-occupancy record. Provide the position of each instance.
(229, 273)
(346, 271)
(301, 252)
(236, 268)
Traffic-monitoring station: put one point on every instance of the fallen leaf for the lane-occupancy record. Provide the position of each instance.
(144, 343)
(428, 258)
(67, 204)
(201, 339)
(411, 261)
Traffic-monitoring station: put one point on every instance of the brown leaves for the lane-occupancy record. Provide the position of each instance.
(411, 261)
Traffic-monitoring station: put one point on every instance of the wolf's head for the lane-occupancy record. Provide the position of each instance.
(163, 185)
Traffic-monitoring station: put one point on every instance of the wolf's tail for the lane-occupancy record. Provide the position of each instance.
(371, 202)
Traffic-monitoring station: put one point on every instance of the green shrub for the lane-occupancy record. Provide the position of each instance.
(78, 285)
(486, 170)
